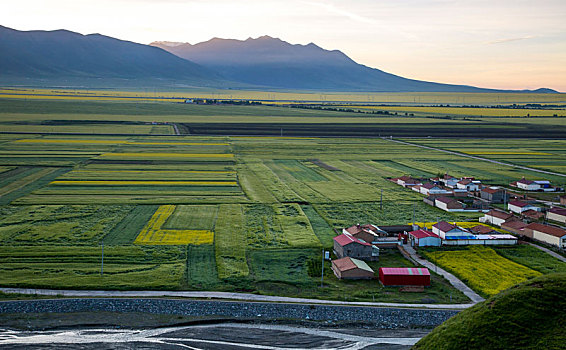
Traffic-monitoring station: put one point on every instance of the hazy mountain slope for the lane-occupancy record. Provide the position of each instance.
(275, 63)
(61, 53)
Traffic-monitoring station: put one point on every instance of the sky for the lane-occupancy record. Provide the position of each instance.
(505, 44)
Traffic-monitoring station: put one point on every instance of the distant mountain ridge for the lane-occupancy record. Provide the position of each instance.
(272, 62)
(65, 58)
(64, 54)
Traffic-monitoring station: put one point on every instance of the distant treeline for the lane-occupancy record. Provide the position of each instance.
(340, 109)
(212, 101)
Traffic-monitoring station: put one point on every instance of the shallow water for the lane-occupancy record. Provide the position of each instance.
(221, 336)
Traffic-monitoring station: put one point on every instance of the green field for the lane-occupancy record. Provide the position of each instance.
(272, 203)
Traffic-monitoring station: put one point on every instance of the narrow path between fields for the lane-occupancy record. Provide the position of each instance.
(476, 298)
(548, 251)
(475, 157)
(219, 295)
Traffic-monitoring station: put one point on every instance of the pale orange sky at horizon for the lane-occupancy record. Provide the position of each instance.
(501, 44)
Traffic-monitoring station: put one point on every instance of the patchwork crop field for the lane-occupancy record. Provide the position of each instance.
(227, 213)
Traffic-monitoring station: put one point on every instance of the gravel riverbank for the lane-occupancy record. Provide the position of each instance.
(385, 318)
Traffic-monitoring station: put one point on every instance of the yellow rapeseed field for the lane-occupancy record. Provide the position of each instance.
(128, 183)
(98, 142)
(112, 142)
(157, 171)
(153, 234)
(167, 155)
(482, 269)
(179, 143)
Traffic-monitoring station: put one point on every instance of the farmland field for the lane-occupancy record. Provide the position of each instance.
(190, 211)
(482, 268)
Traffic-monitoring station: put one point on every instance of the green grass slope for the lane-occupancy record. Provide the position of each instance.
(530, 315)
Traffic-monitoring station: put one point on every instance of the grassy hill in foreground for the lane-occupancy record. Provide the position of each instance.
(527, 316)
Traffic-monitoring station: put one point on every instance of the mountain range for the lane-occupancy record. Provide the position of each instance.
(265, 62)
(63, 55)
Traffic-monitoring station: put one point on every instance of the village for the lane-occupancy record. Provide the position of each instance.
(510, 217)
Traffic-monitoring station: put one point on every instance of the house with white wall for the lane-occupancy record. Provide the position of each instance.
(445, 229)
(496, 217)
(518, 207)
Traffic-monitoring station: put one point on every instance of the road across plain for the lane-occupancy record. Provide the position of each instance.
(246, 297)
(475, 157)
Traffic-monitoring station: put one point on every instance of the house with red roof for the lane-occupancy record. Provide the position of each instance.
(367, 233)
(448, 204)
(496, 217)
(528, 185)
(517, 227)
(350, 268)
(406, 181)
(556, 214)
(494, 194)
(518, 206)
(347, 245)
(532, 215)
(548, 234)
(448, 231)
(423, 238)
(469, 185)
(482, 230)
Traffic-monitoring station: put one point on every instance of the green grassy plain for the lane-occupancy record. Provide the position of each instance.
(272, 202)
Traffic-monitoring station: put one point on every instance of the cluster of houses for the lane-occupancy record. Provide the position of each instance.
(448, 192)
(549, 234)
(360, 243)
(364, 241)
(446, 234)
(466, 194)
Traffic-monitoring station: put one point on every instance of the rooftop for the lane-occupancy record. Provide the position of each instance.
(549, 230)
(492, 189)
(532, 214)
(423, 271)
(363, 228)
(556, 210)
(519, 204)
(496, 236)
(345, 239)
(444, 226)
(499, 214)
(481, 229)
(348, 263)
(515, 224)
(423, 234)
(445, 199)
(429, 185)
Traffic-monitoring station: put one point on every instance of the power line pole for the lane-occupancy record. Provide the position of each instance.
(322, 271)
(381, 200)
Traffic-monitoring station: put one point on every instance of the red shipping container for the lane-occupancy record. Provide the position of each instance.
(404, 276)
